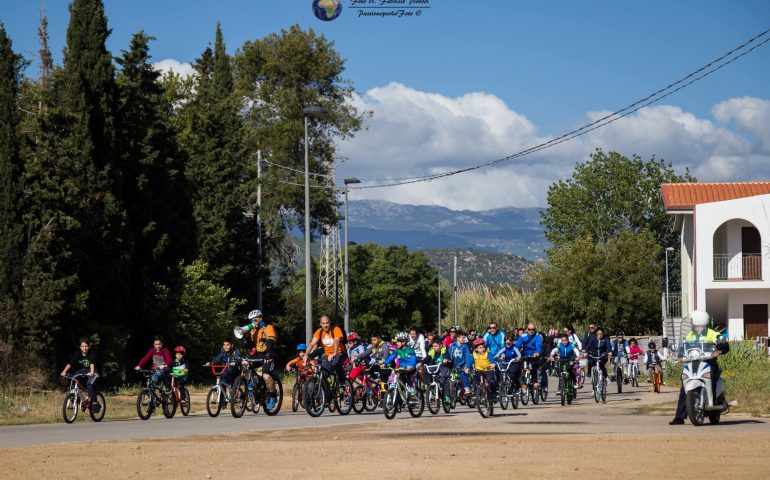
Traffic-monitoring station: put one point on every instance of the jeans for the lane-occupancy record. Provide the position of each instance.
(334, 365)
(89, 383)
(228, 377)
(444, 372)
(158, 375)
(491, 379)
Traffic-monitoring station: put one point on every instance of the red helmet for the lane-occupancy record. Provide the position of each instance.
(179, 349)
(353, 337)
(477, 342)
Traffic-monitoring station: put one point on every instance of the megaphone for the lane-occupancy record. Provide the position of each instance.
(239, 332)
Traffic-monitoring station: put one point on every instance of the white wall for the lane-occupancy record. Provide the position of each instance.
(708, 217)
(687, 265)
(737, 299)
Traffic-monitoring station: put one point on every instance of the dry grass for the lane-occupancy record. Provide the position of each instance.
(478, 305)
(21, 407)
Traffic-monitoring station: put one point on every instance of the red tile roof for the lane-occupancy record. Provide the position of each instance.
(684, 196)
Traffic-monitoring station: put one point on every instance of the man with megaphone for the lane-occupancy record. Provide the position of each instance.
(264, 338)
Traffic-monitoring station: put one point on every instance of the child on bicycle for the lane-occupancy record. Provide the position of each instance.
(568, 353)
(505, 355)
(357, 357)
(652, 359)
(437, 355)
(461, 359)
(300, 360)
(404, 358)
(180, 368)
(619, 355)
(161, 362)
(633, 352)
(230, 356)
(484, 364)
(84, 361)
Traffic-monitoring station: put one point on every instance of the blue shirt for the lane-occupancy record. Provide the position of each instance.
(495, 342)
(508, 353)
(406, 357)
(529, 344)
(460, 355)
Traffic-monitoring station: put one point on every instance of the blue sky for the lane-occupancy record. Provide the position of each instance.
(551, 63)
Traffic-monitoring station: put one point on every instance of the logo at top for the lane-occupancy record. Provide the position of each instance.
(327, 10)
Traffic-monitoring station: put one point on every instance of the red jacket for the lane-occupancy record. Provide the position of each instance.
(163, 351)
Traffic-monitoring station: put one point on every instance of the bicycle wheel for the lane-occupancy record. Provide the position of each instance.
(619, 379)
(296, 397)
(278, 396)
(69, 408)
(434, 399)
(453, 394)
(504, 394)
(514, 397)
(415, 403)
(524, 394)
(359, 399)
(213, 402)
(484, 401)
(98, 407)
(563, 390)
(603, 391)
(169, 405)
(372, 399)
(571, 393)
(145, 404)
(238, 395)
(535, 394)
(634, 376)
(315, 397)
(390, 403)
(184, 401)
(656, 382)
(543, 393)
(343, 398)
(446, 405)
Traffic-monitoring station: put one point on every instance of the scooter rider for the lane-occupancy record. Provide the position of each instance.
(700, 331)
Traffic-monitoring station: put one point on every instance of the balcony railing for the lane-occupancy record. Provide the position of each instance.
(671, 305)
(746, 266)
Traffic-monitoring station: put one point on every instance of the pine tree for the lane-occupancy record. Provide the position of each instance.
(156, 192)
(10, 197)
(213, 140)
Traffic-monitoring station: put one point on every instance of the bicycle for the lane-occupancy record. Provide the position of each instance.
(399, 394)
(505, 394)
(76, 400)
(567, 391)
(180, 396)
(634, 373)
(435, 397)
(216, 397)
(619, 363)
(528, 390)
(298, 389)
(598, 382)
(368, 395)
(149, 398)
(458, 390)
(325, 384)
(656, 377)
(250, 389)
(484, 396)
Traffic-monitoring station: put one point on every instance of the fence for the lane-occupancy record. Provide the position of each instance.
(731, 267)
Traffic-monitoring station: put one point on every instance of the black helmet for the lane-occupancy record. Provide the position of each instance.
(651, 345)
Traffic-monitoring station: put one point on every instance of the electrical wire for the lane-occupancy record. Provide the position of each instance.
(606, 120)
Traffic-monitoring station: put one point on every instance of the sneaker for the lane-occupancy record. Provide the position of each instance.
(447, 400)
(271, 401)
(467, 390)
(96, 408)
(625, 381)
(411, 390)
(676, 421)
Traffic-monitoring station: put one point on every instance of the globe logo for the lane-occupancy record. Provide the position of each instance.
(327, 10)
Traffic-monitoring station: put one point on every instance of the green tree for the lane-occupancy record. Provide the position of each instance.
(11, 229)
(218, 172)
(156, 193)
(278, 76)
(616, 283)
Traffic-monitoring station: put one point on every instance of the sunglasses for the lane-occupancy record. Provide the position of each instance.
(453, 331)
(530, 329)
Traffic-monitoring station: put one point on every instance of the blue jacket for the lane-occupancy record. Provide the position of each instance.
(507, 354)
(460, 355)
(406, 357)
(227, 357)
(566, 352)
(598, 348)
(529, 344)
(619, 349)
(495, 342)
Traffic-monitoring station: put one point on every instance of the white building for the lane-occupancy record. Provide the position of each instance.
(725, 253)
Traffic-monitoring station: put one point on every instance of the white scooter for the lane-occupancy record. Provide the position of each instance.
(701, 401)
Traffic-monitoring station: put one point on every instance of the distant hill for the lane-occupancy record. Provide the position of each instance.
(479, 266)
(504, 230)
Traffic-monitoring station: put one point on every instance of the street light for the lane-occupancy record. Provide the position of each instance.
(309, 111)
(347, 181)
(668, 249)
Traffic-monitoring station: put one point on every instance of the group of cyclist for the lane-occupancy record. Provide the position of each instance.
(350, 358)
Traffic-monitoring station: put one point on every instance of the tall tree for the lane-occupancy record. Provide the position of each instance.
(156, 193)
(278, 76)
(218, 173)
(78, 250)
(10, 198)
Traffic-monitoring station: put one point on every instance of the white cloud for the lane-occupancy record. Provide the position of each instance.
(415, 133)
(169, 64)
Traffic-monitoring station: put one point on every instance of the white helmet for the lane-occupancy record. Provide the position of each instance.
(402, 336)
(255, 314)
(700, 318)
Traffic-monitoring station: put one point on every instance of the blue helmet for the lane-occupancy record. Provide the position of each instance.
(301, 346)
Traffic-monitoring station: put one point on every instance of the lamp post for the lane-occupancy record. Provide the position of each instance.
(668, 249)
(308, 111)
(347, 181)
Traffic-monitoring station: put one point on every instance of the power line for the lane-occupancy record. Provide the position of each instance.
(321, 175)
(606, 120)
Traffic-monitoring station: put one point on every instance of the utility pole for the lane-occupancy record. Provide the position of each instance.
(438, 320)
(346, 276)
(454, 289)
(259, 229)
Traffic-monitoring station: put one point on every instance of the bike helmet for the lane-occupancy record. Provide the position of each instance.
(651, 345)
(255, 314)
(353, 337)
(699, 318)
(477, 342)
(402, 336)
(301, 347)
(179, 349)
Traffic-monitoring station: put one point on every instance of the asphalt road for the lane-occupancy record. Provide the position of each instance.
(620, 415)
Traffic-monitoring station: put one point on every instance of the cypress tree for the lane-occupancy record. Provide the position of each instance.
(10, 196)
(156, 193)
